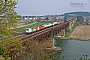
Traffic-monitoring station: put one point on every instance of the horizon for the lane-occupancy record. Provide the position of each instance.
(56, 14)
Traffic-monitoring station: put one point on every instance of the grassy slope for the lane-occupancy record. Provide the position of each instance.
(81, 32)
(68, 33)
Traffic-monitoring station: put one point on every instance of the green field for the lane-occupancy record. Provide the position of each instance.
(22, 29)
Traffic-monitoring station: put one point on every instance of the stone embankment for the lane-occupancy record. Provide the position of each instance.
(81, 32)
(55, 49)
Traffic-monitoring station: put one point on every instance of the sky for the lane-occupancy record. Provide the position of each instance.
(51, 7)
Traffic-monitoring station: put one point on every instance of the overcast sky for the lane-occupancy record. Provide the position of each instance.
(45, 7)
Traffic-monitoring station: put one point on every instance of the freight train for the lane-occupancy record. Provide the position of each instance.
(38, 28)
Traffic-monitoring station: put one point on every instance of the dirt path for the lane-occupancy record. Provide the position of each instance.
(81, 32)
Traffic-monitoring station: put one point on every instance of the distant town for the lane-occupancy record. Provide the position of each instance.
(82, 17)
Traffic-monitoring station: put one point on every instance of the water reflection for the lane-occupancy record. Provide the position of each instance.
(72, 49)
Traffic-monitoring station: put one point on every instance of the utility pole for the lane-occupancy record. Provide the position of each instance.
(52, 37)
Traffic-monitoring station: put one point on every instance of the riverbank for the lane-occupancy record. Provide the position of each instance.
(68, 38)
(81, 32)
(55, 49)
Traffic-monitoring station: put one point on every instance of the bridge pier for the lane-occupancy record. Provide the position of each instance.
(62, 33)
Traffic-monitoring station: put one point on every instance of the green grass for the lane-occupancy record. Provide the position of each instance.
(1, 24)
(39, 23)
(68, 33)
(22, 29)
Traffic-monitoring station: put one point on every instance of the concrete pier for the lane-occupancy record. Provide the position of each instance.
(55, 49)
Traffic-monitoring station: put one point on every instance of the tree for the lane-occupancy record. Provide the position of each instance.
(79, 19)
(8, 20)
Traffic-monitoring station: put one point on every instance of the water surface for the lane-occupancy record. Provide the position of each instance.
(72, 49)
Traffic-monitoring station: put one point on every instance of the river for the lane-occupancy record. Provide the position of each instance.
(72, 49)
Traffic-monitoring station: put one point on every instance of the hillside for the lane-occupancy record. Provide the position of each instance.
(71, 14)
(81, 32)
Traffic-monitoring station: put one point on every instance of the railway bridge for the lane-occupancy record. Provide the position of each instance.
(41, 35)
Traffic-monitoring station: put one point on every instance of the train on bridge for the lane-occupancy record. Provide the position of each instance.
(38, 28)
